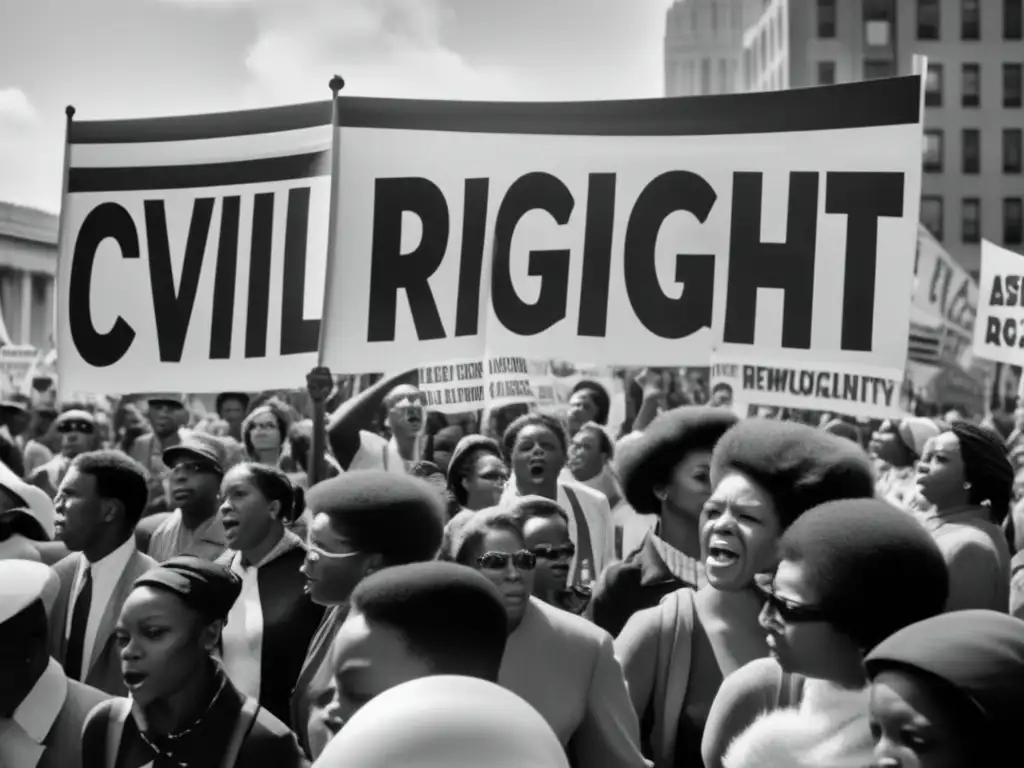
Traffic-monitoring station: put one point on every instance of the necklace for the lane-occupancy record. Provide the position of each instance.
(173, 738)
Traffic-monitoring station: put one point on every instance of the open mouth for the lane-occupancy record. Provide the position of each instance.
(230, 526)
(536, 467)
(721, 554)
(134, 679)
(181, 495)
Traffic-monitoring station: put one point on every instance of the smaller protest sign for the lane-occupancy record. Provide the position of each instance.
(999, 330)
(835, 389)
(469, 385)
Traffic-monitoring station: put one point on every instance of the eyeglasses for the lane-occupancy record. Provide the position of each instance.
(548, 552)
(314, 554)
(788, 611)
(81, 427)
(523, 560)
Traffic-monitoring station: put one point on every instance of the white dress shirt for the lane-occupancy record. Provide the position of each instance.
(22, 736)
(377, 453)
(242, 638)
(105, 575)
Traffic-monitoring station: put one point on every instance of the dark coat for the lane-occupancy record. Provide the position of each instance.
(630, 585)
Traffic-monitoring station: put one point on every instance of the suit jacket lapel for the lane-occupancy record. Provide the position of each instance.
(66, 570)
(108, 621)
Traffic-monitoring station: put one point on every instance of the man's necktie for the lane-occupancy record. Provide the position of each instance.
(79, 620)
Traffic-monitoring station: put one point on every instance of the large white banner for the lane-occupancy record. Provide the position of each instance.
(192, 251)
(999, 330)
(773, 225)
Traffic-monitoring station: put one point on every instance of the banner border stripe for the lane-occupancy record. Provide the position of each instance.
(867, 104)
(217, 125)
(255, 171)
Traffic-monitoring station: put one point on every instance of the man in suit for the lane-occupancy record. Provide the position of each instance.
(41, 711)
(101, 499)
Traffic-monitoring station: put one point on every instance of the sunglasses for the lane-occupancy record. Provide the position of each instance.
(314, 554)
(75, 426)
(523, 560)
(548, 552)
(195, 468)
(788, 611)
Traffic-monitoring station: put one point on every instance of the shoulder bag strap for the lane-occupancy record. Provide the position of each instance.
(584, 545)
(119, 711)
(677, 678)
(243, 725)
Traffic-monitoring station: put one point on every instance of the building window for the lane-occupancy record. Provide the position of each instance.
(971, 91)
(933, 150)
(875, 69)
(826, 73)
(971, 148)
(1013, 20)
(928, 21)
(826, 18)
(705, 76)
(970, 19)
(931, 214)
(933, 86)
(1013, 150)
(1013, 221)
(1012, 95)
(970, 220)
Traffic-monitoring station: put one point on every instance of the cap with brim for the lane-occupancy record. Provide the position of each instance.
(200, 447)
(34, 501)
(22, 582)
(13, 405)
(163, 398)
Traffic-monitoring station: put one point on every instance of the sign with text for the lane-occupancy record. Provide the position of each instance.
(945, 292)
(470, 385)
(854, 391)
(627, 233)
(999, 330)
(192, 251)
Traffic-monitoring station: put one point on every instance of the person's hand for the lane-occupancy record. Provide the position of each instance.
(650, 382)
(319, 383)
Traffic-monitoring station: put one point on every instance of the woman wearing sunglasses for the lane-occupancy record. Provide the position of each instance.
(851, 573)
(561, 664)
(546, 533)
(361, 522)
(765, 474)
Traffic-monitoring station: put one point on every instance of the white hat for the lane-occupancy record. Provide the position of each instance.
(22, 582)
(37, 503)
(444, 721)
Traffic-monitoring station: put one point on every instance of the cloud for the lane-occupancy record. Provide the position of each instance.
(15, 108)
(380, 47)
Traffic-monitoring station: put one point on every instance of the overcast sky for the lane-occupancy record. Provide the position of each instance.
(138, 58)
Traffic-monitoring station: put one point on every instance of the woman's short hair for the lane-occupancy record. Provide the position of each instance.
(525, 507)
(275, 485)
(471, 535)
(280, 414)
(604, 442)
(508, 440)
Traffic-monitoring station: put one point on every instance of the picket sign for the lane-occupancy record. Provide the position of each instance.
(999, 330)
(627, 233)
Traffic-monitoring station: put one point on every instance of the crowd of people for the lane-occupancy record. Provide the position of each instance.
(510, 589)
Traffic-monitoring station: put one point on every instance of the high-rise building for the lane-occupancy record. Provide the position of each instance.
(704, 45)
(973, 153)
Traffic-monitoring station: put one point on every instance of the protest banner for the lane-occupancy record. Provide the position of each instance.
(850, 390)
(999, 330)
(192, 250)
(626, 233)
